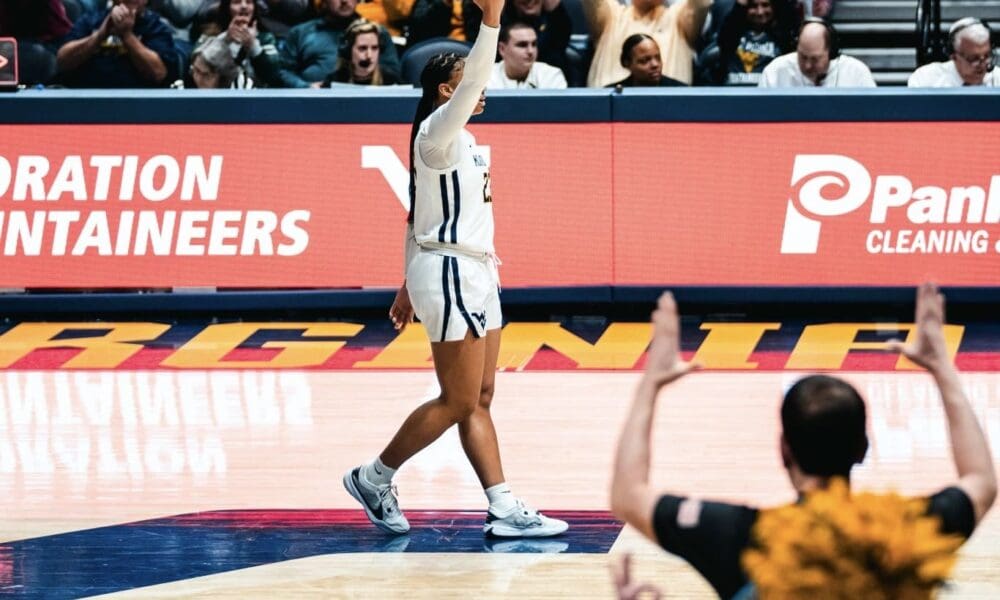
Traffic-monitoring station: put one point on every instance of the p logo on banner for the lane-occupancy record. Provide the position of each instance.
(811, 175)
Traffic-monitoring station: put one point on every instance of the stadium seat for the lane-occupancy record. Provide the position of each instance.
(416, 56)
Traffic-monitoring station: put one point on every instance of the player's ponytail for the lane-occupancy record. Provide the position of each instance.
(437, 71)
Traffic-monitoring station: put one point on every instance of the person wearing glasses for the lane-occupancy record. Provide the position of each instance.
(971, 63)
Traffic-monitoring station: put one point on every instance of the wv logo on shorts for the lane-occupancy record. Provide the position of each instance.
(481, 317)
(479, 160)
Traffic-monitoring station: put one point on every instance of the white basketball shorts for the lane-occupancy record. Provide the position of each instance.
(453, 294)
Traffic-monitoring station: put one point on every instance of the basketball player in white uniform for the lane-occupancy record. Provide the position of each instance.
(452, 286)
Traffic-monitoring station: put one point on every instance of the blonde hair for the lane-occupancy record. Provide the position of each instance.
(350, 35)
(835, 544)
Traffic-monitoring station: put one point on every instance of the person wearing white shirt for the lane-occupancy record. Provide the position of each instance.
(816, 62)
(519, 67)
(971, 59)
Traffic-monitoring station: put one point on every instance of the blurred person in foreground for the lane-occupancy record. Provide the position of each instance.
(823, 436)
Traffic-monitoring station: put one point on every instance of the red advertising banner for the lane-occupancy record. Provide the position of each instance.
(807, 203)
(275, 206)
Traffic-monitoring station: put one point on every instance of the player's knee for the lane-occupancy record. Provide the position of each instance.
(460, 409)
(486, 396)
(464, 410)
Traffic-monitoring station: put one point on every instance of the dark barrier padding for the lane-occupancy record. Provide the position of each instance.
(577, 105)
(723, 105)
(283, 106)
(597, 298)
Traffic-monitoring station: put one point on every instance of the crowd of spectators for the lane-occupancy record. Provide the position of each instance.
(328, 43)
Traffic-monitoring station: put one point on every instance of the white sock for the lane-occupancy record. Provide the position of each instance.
(376, 473)
(501, 500)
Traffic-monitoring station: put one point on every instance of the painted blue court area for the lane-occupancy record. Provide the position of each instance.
(132, 555)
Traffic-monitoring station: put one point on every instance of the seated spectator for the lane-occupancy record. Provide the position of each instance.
(394, 15)
(458, 20)
(311, 49)
(275, 16)
(641, 56)
(552, 25)
(972, 61)
(179, 15)
(282, 15)
(519, 67)
(124, 46)
(358, 59)
(816, 62)
(675, 28)
(213, 67)
(37, 25)
(753, 34)
(252, 46)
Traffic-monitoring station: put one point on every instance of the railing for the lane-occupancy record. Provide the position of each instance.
(931, 42)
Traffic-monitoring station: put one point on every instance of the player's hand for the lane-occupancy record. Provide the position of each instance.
(401, 311)
(929, 349)
(664, 363)
(621, 573)
(491, 11)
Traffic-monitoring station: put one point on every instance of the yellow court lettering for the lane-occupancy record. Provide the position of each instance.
(409, 350)
(208, 349)
(619, 347)
(728, 345)
(101, 351)
(826, 346)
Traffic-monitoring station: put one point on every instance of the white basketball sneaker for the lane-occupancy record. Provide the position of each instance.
(522, 521)
(379, 502)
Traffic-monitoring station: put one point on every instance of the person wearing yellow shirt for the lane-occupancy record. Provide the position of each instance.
(675, 28)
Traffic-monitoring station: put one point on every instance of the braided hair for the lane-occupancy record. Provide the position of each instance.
(437, 71)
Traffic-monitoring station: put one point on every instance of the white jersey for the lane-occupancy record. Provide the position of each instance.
(453, 207)
(450, 265)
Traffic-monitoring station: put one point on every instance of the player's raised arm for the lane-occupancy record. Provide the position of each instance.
(632, 499)
(463, 97)
(971, 453)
